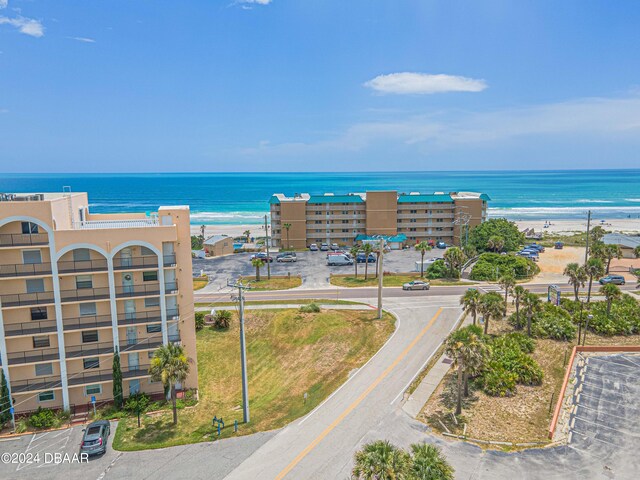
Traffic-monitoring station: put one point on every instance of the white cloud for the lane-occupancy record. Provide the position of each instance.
(248, 4)
(611, 119)
(4, 110)
(82, 39)
(28, 26)
(424, 83)
(4, 3)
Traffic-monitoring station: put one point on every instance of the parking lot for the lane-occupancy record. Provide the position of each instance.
(312, 266)
(605, 423)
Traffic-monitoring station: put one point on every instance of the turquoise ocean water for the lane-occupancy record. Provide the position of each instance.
(241, 198)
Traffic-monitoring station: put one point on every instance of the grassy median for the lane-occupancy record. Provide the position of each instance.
(276, 282)
(200, 282)
(390, 280)
(289, 353)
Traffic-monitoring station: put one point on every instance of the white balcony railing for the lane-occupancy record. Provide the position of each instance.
(100, 224)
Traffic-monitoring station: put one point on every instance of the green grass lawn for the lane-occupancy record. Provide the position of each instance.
(289, 353)
(294, 301)
(275, 283)
(389, 280)
(200, 282)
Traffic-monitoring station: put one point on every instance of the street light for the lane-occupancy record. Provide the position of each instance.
(584, 338)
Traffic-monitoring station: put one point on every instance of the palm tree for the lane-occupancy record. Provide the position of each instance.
(611, 252)
(381, 460)
(470, 302)
(354, 254)
(611, 292)
(518, 294)
(258, 263)
(422, 247)
(593, 268)
(491, 306)
(367, 249)
(170, 365)
(577, 277)
(636, 251)
(247, 234)
(287, 226)
(455, 258)
(428, 463)
(495, 243)
(531, 303)
(507, 281)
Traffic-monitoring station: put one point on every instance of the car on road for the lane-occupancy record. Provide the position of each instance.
(334, 247)
(416, 285)
(324, 247)
(441, 245)
(614, 279)
(286, 258)
(285, 254)
(96, 435)
(339, 259)
(262, 256)
(362, 258)
(313, 247)
(534, 246)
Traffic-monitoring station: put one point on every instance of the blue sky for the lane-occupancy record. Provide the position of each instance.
(318, 85)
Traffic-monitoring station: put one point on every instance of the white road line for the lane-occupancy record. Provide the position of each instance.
(598, 424)
(106, 470)
(308, 415)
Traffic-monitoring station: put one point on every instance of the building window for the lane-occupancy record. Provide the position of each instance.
(28, 228)
(92, 390)
(41, 341)
(43, 369)
(154, 328)
(89, 336)
(152, 302)
(413, 220)
(35, 285)
(31, 257)
(345, 221)
(439, 220)
(92, 362)
(46, 396)
(412, 229)
(87, 309)
(150, 354)
(150, 276)
(84, 281)
(81, 255)
(134, 386)
(146, 251)
(413, 211)
(39, 313)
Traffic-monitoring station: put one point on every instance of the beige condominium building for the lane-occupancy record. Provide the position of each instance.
(74, 286)
(410, 218)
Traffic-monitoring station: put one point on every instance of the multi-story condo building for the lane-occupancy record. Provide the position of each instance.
(74, 286)
(303, 219)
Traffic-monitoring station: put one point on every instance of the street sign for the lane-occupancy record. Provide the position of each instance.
(553, 294)
(12, 410)
(93, 399)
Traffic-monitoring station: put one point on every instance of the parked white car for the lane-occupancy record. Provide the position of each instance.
(339, 259)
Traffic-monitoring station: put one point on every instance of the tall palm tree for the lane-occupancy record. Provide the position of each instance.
(611, 292)
(455, 258)
(531, 303)
(287, 226)
(636, 252)
(495, 243)
(258, 263)
(611, 252)
(381, 460)
(470, 302)
(170, 365)
(367, 249)
(518, 294)
(428, 463)
(491, 306)
(577, 277)
(593, 268)
(507, 281)
(422, 247)
(354, 254)
(247, 234)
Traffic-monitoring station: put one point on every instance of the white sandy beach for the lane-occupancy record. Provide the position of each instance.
(230, 230)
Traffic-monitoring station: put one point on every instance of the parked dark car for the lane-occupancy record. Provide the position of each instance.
(94, 440)
(262, 256)
(362, 258)
(441, 245)
(615, 279)
(535, 246)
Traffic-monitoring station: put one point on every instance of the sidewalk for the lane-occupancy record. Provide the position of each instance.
(295, 305)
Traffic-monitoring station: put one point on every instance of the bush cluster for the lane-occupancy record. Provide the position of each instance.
(437, 269)
(496, 227)
(491, 265)
(311, 308)
(551, 322)
(47, 418)
(199, 320)
(624, 318)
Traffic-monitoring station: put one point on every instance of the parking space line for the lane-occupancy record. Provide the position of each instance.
(602, 360)
(598, 424)
(600, 411)
(607, 373)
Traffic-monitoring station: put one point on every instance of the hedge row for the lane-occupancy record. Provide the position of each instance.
(490, 266)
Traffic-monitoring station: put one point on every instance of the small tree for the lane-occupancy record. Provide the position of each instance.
(454, 257)
(354, 253)
(428, 463)
(507, 281)
(258, 263)
(577, 277)
(380, 460)
(636, 251)
(611, 292)
(117, 380)
(609, 253)
(531, 303)
(518, 294)
(5, 400)
(199, 320)
(491, 306)
(470, 302)
(422, 247)
(287, 226)
(170, 365)
(593, 268)
(137, 404)
(222, 319)
(495, 243)
(247, 235)
(367, 249)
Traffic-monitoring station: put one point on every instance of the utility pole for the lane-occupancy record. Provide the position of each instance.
(586, 250)
(243, 350)
(380, 279)
(266, 241)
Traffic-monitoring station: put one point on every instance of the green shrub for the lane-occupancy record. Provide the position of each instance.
(496, 227)
(42, 418)
(491, 265)
(554, 322)
(523, 342)
(498, 382)
(222, 319)
(310, 308)
(199, 317)
(22, 425)
(437, 269)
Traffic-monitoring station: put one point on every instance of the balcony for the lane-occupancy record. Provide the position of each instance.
(25, 269)
(93, 321)
(146, 262)
(25, 299)
(35, 384)
(97, 376)
(20, 239)
(71, 266)
(33, 327)
(88, 349)
(33, 356)
(108, 224)
(136, 318)
(137, 345)
(82, 294)
(147, 289)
